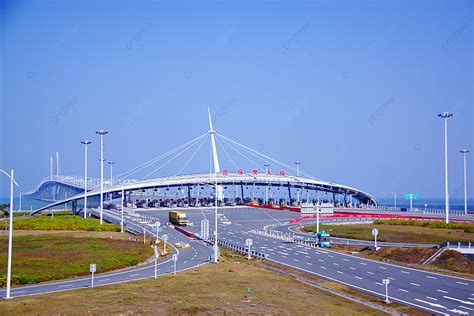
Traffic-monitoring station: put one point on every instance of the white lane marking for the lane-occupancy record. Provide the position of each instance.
(469, 309)
(345, 259)
(330, 256)
(406, 272)
(308, 257)
(470, 298)
(321, 260)
(431, 277)
(368, 272)
(363, 263)
(340, 272)
(403, 290)
(442, 291)
(383, 268)
(323, 268)
(352, 268)
(283, 253)
(65, 285)
(132, 275)
(103, 280)
(358, 278)
(414, 284)
(429, 303)
(393, 279)
(458, 300)
(309, 263)
(462, 283)
(378, 283)
(303, 252)
(295, 260)
(431, 298)
(336, 264)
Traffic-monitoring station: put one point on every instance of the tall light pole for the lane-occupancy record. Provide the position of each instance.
(101, 133)
(51, 167)
(10, 232)
(297, 163)
(394, 199)
(111, 164)
(445, 116)
(57, 163)
(85, 143)
(266, 167)
(216, 246)
(464, 152)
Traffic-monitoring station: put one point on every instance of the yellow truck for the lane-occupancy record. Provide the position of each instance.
(178, 218)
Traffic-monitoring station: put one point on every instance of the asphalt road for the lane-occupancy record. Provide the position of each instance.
(428, 291)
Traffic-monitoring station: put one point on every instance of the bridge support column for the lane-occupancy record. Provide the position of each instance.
(189, 195)
(242, 191)
(74, 206)
(289, 193)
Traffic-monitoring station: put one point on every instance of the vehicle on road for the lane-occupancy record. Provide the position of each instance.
(178, 218)
(322, 238)
(182, 245)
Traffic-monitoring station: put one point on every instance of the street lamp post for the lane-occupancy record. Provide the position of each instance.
(121, 209)
(111, 164)
(297, 163)
(101, 207)
(464, 152)
(394, 200)
(10, 232)
(445, 116)
(85, 143)
(215, 226)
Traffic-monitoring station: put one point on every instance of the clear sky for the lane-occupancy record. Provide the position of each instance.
(350, 88)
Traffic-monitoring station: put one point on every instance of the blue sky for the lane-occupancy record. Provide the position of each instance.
(350, 88)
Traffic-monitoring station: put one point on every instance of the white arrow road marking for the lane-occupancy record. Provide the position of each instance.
(457, 311)
(458, 300)
(469, 309)
(431, 304)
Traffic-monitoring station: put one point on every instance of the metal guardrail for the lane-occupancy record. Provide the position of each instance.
(414, 210)
(457, 245)
(240, 249)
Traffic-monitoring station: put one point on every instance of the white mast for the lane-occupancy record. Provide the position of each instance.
(215, 157)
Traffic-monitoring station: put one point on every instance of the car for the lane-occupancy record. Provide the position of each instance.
(182, 245)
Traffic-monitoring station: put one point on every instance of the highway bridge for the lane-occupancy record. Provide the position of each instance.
(285, 185)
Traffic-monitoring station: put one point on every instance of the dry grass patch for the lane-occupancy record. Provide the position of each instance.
(397, 233)
(210, 289)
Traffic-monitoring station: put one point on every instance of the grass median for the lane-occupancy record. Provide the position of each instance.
(62, 221)
(409, 233)
(62, 246)
(41, 258)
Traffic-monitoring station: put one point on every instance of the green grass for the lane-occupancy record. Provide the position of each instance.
(63, 221)
(396, 233)
(48, 257)
(467, 227)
